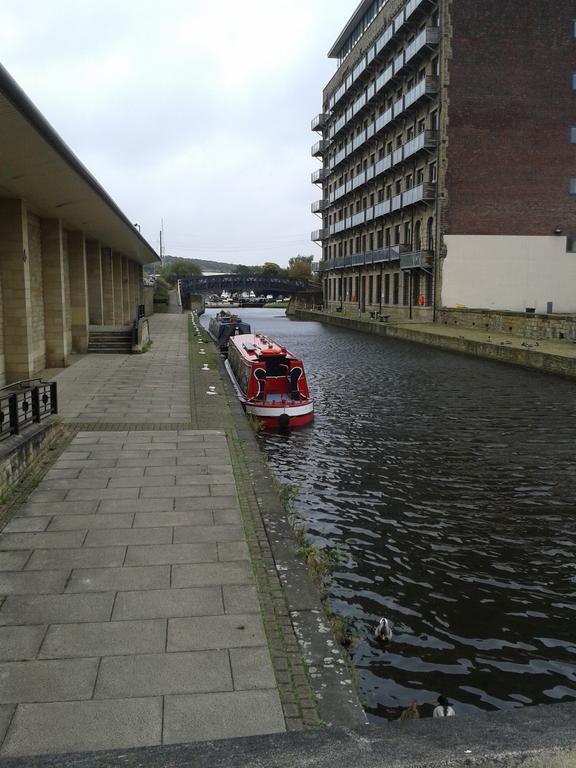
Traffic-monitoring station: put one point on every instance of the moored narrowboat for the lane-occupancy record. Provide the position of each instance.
(269, 380)
(223, 326)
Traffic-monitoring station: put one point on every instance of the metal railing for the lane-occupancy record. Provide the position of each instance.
(24, 403)
(141, 312)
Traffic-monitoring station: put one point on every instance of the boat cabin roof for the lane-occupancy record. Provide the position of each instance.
(255, 347)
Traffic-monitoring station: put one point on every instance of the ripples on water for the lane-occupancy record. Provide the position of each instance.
(449, 482)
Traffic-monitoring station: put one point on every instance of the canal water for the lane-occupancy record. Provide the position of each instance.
(448, 483)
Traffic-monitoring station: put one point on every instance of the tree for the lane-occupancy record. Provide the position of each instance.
(180, 269)
(161, 291)
(300, 266)
(271, 269)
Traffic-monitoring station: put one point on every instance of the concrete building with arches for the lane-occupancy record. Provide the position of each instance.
(71, 261)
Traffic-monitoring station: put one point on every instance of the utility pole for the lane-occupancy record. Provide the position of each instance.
(161, 242)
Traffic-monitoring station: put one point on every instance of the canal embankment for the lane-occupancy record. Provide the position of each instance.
(546, 355)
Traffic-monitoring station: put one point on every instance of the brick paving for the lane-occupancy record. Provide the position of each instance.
(130, 614)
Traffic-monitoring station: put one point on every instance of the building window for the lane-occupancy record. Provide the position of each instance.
(386, 289)
(574, 81)
(573, 134)
(571, 244)
(396, 289)
(573, 185)
(406, 291)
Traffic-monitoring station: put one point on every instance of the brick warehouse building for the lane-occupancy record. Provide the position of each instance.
(449, 158)
(70, 260)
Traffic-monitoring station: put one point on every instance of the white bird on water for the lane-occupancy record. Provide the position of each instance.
(383, 631)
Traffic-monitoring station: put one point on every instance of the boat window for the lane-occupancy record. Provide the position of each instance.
(277, 366)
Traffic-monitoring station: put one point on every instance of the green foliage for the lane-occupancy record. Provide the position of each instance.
(274, 270)
(161, 289)
(300, 267)
(342, 628)
(180, 269)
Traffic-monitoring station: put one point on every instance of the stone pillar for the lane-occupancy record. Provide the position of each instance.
(140, 280)
(108, 286)
(126, 308)
(16, 294)
(78, 291)
(118, 293)
(54, 278)
(94, 278)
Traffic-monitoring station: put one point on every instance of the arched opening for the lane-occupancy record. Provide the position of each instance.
(418, 236)
(430, 234)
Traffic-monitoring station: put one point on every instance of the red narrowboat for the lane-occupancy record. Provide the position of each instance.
(269, 380)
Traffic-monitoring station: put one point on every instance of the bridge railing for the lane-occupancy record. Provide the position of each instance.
(262, 283)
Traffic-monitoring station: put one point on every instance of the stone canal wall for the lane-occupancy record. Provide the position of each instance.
(557, 358)
(518, 323)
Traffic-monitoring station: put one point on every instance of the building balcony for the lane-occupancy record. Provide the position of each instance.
(381, 256)
(428, 37)
(319, 206)
(319, 148)
(319, 122)
(386, 37)
(320, 175)
(423, 193)
(417, 260)
(424, 140)
(319, 234)
(428, 86)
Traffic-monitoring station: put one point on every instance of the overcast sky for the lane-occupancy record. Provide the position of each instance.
(194, 112)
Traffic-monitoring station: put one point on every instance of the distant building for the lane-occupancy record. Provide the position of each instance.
(448, 156)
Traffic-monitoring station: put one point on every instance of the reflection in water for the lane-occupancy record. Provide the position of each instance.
(449, 482)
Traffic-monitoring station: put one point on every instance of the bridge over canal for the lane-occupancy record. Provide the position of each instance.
(234, 283)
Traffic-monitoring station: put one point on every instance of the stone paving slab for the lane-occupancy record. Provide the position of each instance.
(14, 561)
(217, 533)
(221, 715)
(83, 725)
(60, 680)
(92, 557)
(86, 522)
(212, 574)
(204, 632)
(240, 599)
(31, 583)
(165, 603)
(27, 525)
(119, 579)
(167, 554)
(251, 669)
(20, 643)
(108, 638)
(51, 609)
(127, 536)
(162, 674)
(173, 519)
(42, 540)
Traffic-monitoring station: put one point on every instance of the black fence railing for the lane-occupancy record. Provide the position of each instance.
(140, 313)
(24, 403)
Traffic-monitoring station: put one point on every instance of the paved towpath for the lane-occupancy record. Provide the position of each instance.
(130, 614)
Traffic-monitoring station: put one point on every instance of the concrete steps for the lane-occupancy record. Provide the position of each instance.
(110, 341)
